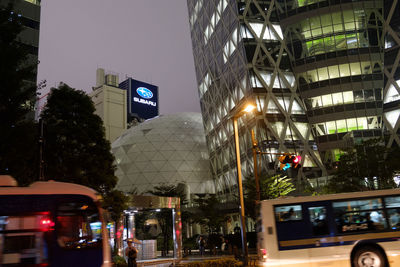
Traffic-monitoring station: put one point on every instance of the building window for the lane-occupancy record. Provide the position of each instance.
(230, 45)
(342, 70)
(270, 33)
(392, 93)
(332, 32)
(343, 98)
(392, 117)
(347, 125)
(35, 2)
(195, 12)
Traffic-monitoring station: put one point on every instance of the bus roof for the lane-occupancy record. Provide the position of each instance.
(372, 193)
(51, 188)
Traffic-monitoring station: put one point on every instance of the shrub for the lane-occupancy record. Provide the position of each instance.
(224, 262)
(119, 261)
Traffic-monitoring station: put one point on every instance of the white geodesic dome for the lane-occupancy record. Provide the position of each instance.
(169, 149)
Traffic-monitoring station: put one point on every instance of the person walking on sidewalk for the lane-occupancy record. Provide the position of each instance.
(202, 244)
(131, 252)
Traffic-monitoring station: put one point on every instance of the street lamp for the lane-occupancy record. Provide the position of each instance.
(247, 109)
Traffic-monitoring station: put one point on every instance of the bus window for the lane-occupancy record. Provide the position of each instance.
(288, 213)
(318, 219)
(393, 210)
(78, 226)
(359, 215)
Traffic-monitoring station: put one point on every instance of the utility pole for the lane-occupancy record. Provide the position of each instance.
(41, 146)
(255, 152)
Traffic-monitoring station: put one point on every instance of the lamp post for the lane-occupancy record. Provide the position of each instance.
(255, 151)
(248, 108)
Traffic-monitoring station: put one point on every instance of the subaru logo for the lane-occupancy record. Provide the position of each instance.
(144, 92)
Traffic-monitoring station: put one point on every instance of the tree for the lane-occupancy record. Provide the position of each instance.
(164, 217)
(209, 214)
(366, 166)
(76, 150)
(116, 202)
(270, 187)
(18, 147)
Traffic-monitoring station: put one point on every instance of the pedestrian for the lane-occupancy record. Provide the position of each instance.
(131, 252)
(202, 244)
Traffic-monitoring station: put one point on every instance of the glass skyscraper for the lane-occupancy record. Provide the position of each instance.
(322, 72)
(29, 11)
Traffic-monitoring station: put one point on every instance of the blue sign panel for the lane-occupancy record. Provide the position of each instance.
(142, 98)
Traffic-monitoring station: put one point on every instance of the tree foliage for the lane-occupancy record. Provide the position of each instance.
(116, 202)
(270, 187)
(18, 149)
(209, 214)
(75, 146)
(366, 166)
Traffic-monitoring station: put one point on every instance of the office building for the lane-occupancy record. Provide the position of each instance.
(318, 70)
(111, 104)
(29, 13)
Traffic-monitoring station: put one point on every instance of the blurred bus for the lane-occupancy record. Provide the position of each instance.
(349, 229)
(51, 224)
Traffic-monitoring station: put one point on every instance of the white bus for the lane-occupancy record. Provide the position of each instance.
(51, 224)
(349, 229)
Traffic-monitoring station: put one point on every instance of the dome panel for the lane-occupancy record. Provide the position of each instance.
(167, 149)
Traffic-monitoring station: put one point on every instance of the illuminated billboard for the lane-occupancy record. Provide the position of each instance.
(142, 98)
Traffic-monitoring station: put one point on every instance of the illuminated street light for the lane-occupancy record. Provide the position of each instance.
(235, 117)
(249, 108)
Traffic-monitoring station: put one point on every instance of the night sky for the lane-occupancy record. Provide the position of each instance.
(148, 40)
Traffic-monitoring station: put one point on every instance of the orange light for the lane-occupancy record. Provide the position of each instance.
(249, 108)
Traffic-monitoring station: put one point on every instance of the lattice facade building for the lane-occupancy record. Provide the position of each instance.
(240, 56)
(315, 68)
(391, 100)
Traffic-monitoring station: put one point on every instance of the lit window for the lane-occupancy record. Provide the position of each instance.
(35, 2)
(302, 127)
(336, 99)
(346, 125)
(204, 85)
(342, 70)
(196, 10)
(392, 93)
(272, 108)
(392, 117)
(269, 34)
(230, 45)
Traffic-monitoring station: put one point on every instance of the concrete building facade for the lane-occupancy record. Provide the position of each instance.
(110, 103)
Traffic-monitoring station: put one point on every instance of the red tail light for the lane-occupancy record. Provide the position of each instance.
(264, 254)
(46, 224)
